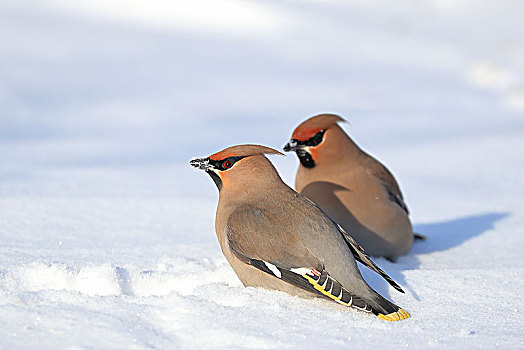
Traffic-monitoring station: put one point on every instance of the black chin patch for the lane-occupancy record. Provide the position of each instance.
(216, 179)
(305, 159)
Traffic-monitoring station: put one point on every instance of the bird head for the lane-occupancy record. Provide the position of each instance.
(235, 162)
(309, 136)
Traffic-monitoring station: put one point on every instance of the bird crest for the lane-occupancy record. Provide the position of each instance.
(311, 126)
(243, 151)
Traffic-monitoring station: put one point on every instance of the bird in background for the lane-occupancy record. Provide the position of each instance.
(352, 187)
(275, 238)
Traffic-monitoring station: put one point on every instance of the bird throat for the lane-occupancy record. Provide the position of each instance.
(305, 159)
(216, 179)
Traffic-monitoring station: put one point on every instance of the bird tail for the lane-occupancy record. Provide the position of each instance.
(386, 310)
(419, 237)
(321, 283)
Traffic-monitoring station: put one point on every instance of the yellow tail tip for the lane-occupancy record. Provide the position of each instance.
(401, 314)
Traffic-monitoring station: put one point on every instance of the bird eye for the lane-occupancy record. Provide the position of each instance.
(227, 164)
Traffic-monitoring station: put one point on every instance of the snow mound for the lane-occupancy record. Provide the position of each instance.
(98, 280)
(182, 276)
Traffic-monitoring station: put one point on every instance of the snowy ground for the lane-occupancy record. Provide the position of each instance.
(106, 233)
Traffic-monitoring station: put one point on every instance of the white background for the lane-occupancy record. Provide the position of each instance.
(106, 233)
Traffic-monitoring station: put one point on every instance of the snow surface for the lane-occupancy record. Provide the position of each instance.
(106, 233)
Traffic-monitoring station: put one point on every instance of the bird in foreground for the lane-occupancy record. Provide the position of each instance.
(275, 238)
(352, 187)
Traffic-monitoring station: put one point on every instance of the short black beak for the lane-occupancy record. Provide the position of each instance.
(204, 164)
(200, 163)
(291, 146)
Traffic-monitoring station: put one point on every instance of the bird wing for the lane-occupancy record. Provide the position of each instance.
(254, 234)
(375, 168)
(254, 240)
(360, 256)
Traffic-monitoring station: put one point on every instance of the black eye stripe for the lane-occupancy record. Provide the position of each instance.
(312, 142)
(224, 163)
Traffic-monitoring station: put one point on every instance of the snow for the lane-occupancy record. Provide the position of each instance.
(107, 234)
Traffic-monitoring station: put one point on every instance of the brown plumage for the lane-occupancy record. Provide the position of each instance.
(275, 238)
(353, 188)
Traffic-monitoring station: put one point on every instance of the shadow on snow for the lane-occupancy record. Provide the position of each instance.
(441, 236)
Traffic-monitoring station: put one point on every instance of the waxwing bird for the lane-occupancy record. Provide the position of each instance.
(275, 238)
(353, 188)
